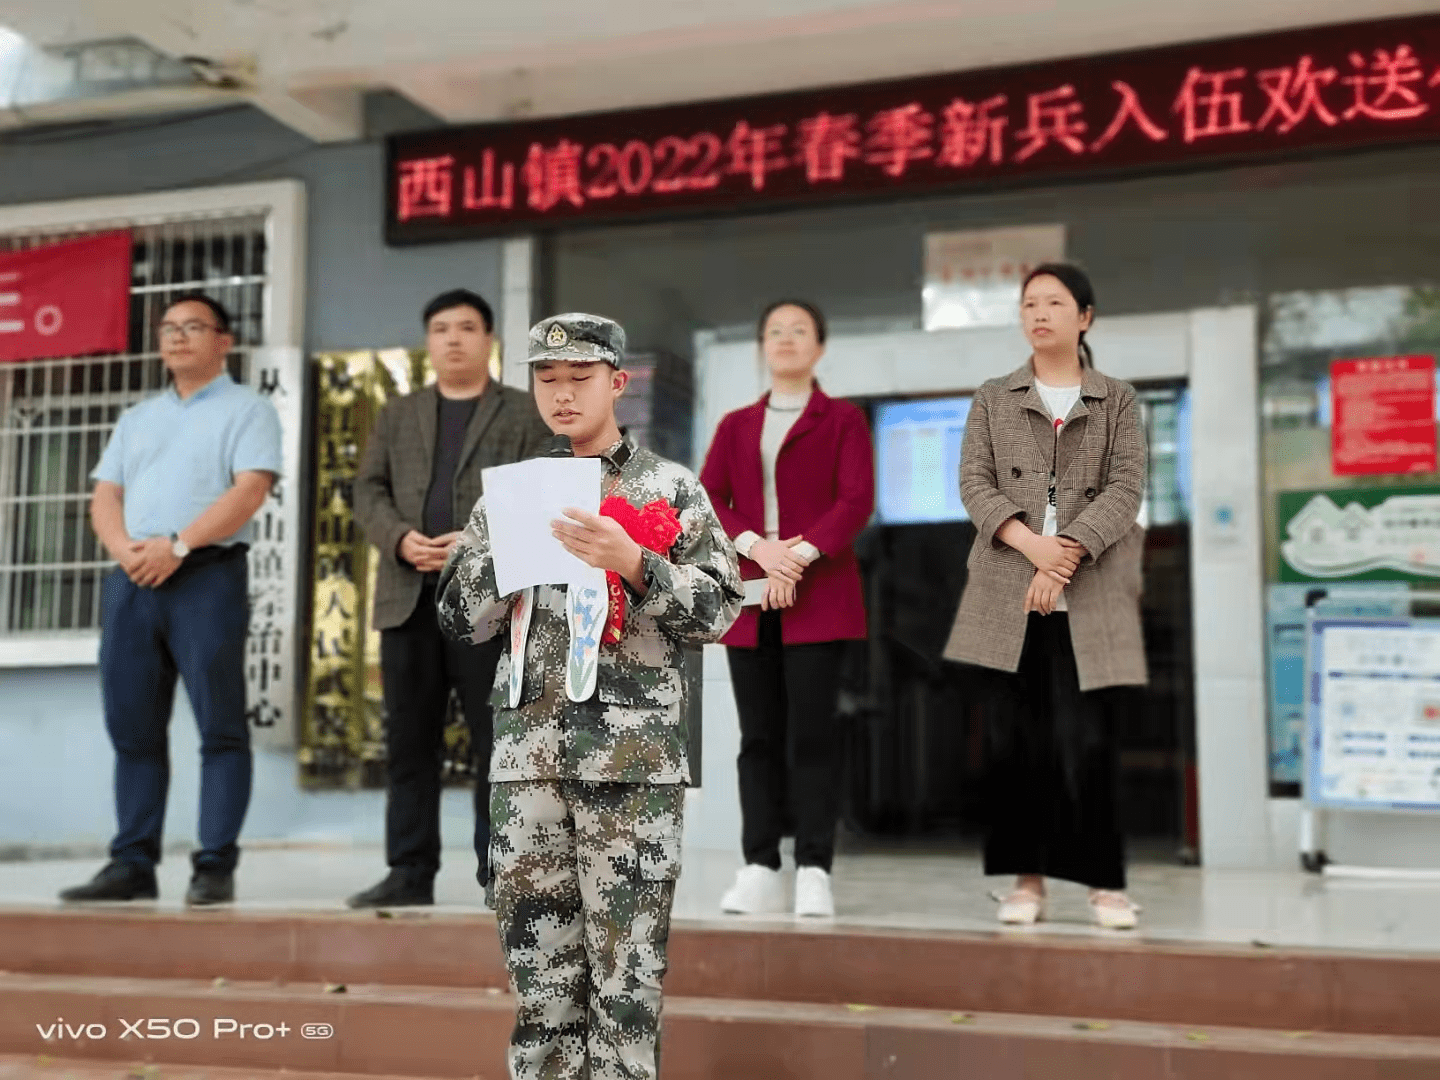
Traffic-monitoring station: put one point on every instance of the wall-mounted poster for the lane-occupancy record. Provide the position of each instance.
(1360, 534)
(1384, 415)
(973, 278)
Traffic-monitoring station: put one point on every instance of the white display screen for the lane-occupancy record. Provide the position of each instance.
(917, 460)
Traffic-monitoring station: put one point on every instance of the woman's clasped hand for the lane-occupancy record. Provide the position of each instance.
(784, 567)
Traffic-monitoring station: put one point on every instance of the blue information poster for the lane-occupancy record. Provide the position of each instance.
(1373, 714)
(1285, 649)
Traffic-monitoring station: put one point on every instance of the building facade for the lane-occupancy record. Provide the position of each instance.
(1251, 211)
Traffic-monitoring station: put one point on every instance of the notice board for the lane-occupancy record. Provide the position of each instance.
(1384, 415)
(1372, 737)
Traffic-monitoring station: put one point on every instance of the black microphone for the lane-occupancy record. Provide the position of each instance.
(559, 446)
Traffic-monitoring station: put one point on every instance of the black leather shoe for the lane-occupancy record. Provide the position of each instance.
(116, 881)
(209, 887)
(397, 890)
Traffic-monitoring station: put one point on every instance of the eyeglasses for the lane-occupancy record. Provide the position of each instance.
(185, 329)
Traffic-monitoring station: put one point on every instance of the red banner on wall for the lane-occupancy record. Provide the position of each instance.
(1383, 415)
(67, 299)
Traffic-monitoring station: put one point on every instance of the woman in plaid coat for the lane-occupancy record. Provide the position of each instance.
(1052, 474)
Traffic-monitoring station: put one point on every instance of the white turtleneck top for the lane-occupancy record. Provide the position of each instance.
(781, 413)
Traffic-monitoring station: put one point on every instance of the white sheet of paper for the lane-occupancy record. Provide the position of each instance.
(521, 501)
(754, 591)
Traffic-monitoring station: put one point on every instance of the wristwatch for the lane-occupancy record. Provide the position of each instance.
(178, 547)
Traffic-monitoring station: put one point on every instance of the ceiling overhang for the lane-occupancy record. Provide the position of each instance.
(310, 63)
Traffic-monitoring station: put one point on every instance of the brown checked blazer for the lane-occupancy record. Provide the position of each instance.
(1100, 480)
(395, 472)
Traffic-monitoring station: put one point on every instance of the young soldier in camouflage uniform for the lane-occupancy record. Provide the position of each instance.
(589, 769)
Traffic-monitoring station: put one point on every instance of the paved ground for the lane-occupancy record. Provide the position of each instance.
(918, 890)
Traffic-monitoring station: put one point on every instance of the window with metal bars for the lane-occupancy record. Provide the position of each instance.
(57, 415)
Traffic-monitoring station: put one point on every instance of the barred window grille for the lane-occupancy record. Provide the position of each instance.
(57, 415)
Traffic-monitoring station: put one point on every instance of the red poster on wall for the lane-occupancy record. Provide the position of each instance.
(67, 299)
(1384, 415)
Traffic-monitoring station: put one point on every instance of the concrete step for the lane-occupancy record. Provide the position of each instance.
(1118, 977)
(46, 1067)
(457, 1033)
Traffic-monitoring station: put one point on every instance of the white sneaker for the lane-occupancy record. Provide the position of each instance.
(758, 890)
(812, 893)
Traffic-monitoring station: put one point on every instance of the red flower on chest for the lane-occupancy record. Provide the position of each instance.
(655, 527)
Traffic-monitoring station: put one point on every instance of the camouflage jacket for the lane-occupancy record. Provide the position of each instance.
(630, 731)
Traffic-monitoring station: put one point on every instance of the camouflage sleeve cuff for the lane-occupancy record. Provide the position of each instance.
(658, 581)
(466, 597)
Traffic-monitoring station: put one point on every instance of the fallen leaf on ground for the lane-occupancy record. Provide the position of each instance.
(1092, 1025)
(860, 1008)
(962, 1018)
(335, 988)
(1197, 1036)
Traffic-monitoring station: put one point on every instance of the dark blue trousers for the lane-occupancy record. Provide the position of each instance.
(193, 626)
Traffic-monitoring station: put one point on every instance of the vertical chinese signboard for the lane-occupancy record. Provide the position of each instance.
(1383, 413)
(1329, 87)
(342, 732)
(275, 553)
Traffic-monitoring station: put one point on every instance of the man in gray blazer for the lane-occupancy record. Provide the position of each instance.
(418, 481)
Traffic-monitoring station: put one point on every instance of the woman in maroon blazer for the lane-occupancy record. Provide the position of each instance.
(793, 480)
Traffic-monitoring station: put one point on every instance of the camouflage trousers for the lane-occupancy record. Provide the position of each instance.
(584, 882)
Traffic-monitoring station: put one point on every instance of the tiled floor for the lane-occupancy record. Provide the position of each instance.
(927, 891)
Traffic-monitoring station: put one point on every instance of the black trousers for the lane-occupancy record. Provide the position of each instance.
(1052, 765)
(790, 747)
(419, 666)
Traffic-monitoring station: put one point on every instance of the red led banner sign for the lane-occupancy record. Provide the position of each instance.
(1329, 87)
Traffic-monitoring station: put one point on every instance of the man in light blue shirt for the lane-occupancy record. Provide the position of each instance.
(177, 485)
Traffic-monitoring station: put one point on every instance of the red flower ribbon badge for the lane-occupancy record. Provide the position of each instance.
(655, 527)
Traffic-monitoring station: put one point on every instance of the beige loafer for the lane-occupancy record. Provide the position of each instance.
(1021, 908)
(1114, 910)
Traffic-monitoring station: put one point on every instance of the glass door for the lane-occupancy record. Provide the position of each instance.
(916, 753)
